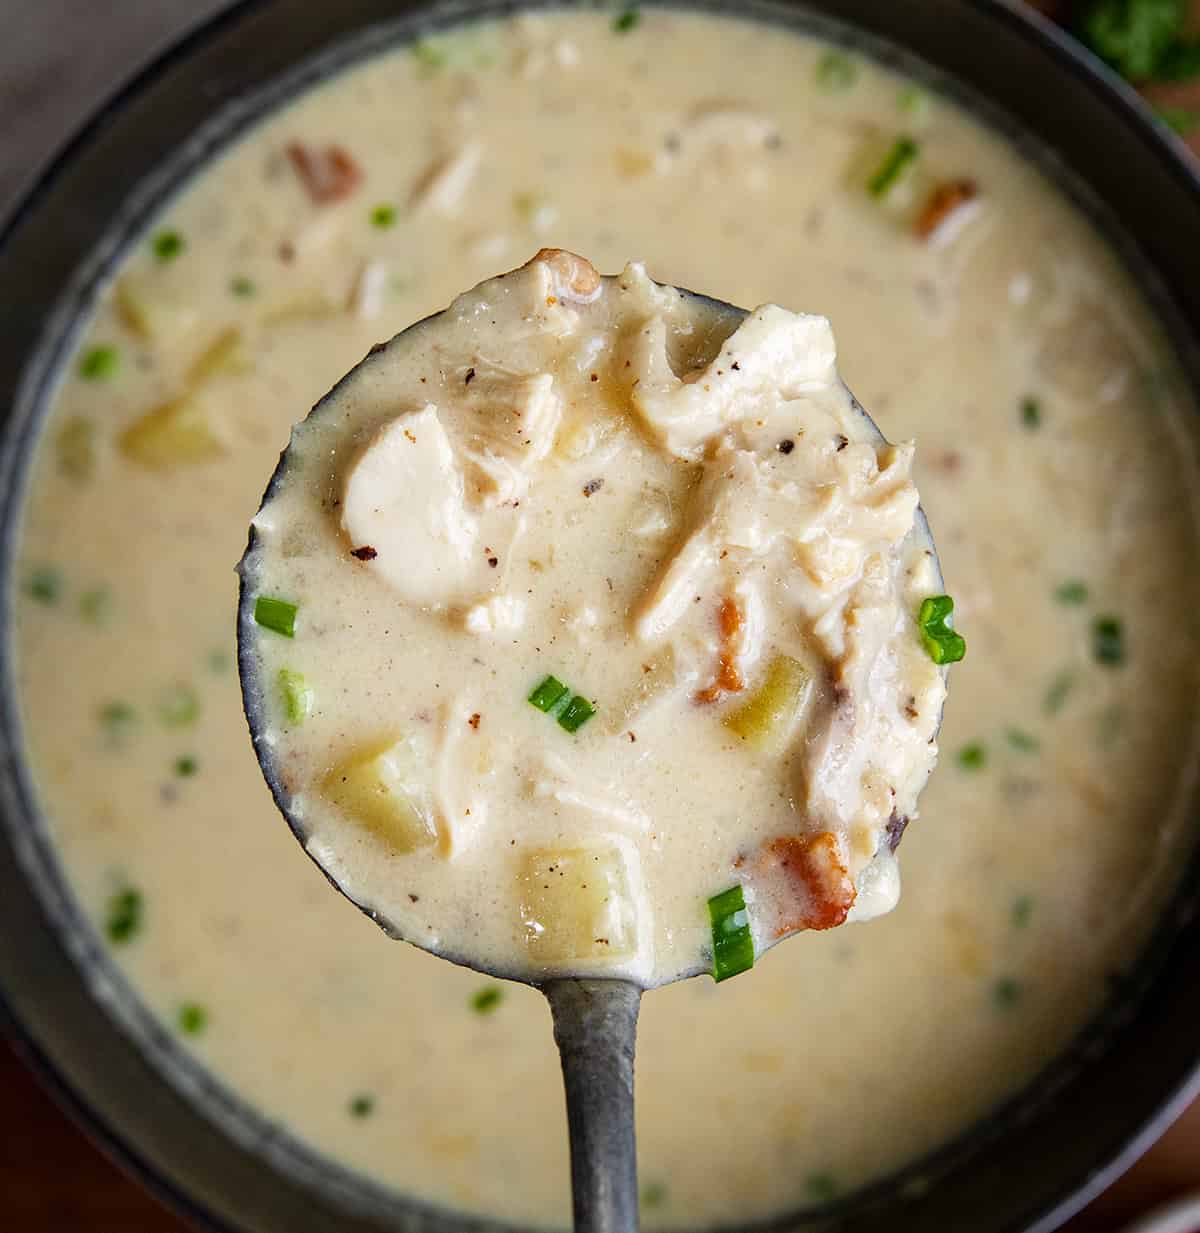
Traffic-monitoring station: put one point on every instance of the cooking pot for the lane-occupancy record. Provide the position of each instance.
(1032, 1161)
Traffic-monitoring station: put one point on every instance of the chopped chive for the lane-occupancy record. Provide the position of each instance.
(75, 447)
(168, 245)
(733, 943)
(627, 20)
(124, 917)
(549, 694)
(192, 1019)
(1006, 993)
(939, 639)
(297, 695)
(1021, 740)
(99, 363)
(275, 614)
(178, 705)
(913, 101)
(1071, 592)
(45, 584)
(576, 713)
(428, 54)
(1031, 413)
(902, 154)
(186, 766)
(836, 72)
(485, 1000)
(972, 757)
(1108, 641)
(242, 287)
(362, 1106)
(95, 605)
(821, 1187)
(654, 1194)
(1057, 691)
(118, 719)
(383, 216)
(1022, 911)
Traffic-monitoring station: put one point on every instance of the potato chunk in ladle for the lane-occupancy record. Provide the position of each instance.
(591, 635)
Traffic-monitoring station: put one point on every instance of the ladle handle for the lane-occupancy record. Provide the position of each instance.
(595, 1027)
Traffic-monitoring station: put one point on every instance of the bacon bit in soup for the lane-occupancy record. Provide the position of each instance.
(328, 175)
(729, 678)
(365, 553)
(945, 200)
(814, 863)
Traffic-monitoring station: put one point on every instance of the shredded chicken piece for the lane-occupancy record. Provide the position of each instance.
(443, 184)
(575, 279)
(328, 175)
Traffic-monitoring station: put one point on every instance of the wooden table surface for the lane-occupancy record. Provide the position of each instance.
(55, 64)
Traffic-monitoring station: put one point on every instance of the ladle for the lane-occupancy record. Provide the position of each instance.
(595, 1020)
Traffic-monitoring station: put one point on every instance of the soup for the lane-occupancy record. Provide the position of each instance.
(1000, 332)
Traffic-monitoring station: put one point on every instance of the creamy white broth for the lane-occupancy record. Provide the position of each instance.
(1030, 879)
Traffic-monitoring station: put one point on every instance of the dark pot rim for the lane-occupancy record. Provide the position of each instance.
(1151, 1099)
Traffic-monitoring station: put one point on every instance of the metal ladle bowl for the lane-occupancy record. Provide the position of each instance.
(595, 1019)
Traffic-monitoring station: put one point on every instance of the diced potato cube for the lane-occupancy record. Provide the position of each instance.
(177, 433)
(156, 307)
(577, 904)
(767, 719)
(224, 355)
(383, 789)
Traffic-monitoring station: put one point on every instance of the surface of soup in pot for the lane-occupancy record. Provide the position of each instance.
(976, 311)
(678, 507)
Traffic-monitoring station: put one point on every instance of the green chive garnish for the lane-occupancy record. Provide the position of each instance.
(428, 54)
(1057, 691)
(242, 287)
(1022, 911)
(487, 999)
(276, 614)
(45, 584)
(1108, 641)
(733, 943)
(1031, 413)
(178, 705)
(1006, 993)
(192, 1019)
(1021, 740)
(168, 245)
(297, 695)
(576, 713)
(185, 766)
(939, 639)
(98, 363)
(1072, 593)
(118, 719)
(549, 694)
(913, 101)
(836, 72)
(383, 216)
(362, 1106)
(972, 757)
(654, 1194)
(626, 20)
(821, 1187)
(902, 154)
(124, 918)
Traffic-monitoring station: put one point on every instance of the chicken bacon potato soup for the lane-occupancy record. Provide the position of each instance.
(976, 310)
(680, 509)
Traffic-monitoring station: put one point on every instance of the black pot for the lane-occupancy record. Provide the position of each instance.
(1027, 1166)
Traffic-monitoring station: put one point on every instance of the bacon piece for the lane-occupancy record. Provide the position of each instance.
(729, 678)
(328, 175)
(943, 201)
(814, 863)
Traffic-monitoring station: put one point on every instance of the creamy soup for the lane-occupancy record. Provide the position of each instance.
(995, 327)
(682, 511)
